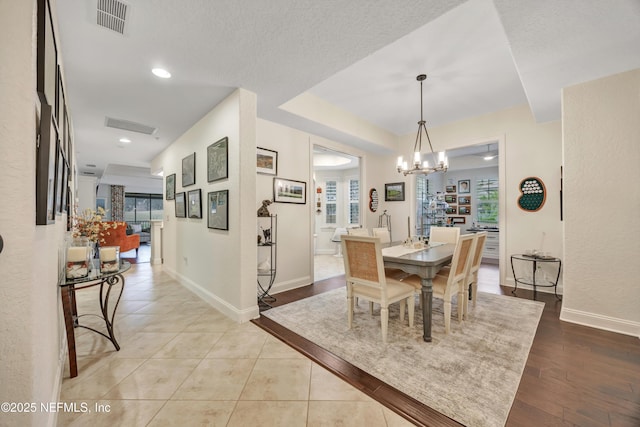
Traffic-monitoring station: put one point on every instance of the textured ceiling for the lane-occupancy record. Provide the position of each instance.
(362, 56)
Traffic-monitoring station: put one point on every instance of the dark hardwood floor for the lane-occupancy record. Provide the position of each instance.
(574, 376)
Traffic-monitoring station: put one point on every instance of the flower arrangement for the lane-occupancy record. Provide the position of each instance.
(89, 224)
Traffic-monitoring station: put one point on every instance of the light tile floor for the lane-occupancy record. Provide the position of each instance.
(184, 363)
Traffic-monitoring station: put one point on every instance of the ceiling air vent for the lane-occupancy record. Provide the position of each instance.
(130, 126)
(111, 15)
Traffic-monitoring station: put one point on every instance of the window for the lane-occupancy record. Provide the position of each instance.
(487, 196)
(331, 198)
(354, 201)
(142, 207)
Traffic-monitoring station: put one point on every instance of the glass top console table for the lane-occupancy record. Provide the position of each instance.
(108, 282)
(536, 261)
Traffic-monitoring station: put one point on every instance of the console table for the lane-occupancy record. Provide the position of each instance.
(534, 260)
(107, 282)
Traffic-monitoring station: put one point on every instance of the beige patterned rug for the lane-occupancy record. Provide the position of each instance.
(470, 375)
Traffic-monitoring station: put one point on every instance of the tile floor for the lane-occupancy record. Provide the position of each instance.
(184, 363)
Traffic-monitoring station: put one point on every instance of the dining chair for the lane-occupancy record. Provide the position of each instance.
(364, 273)
(446, 286)
(357, 231)
(444, 234)
(382, 233)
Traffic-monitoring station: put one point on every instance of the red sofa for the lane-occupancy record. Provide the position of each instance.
(118, 237)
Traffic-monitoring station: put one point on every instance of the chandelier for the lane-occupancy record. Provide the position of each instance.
(440, 163)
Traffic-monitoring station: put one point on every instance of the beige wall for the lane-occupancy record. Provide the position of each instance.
(30, 332)
(602, 200)
(218, 265)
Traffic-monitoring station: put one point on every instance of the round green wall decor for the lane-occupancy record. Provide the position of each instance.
(533, 195)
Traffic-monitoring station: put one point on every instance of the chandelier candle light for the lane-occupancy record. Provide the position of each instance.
(419, 167)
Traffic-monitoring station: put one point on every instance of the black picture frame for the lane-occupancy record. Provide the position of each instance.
(61, 165)
(464, 186)
(47, 56)
(218, 160)
(289, 191)
(46, 167)
(450, 189)
(194, 204)
(394, 192)
(266, 161)
(218, 210)
(181, 205)
(189, 170)
(170, 187)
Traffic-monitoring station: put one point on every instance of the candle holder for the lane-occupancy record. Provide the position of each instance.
(109, 259)
(78, 261)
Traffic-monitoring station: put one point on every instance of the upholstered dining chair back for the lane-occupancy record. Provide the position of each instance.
(357, 231)
(382, 233)
(444, 234)
(365, 278)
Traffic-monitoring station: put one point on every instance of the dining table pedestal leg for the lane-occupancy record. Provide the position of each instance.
(427, 304)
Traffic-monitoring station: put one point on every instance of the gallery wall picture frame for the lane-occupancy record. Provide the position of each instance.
(46, 167)
(170, 187)
(450, 198)
(181, 205)
(218, 160)
(394, 192)
(189, 170)
(464, 186)
(194, 204)
(266, 161)
(61, 164)
(47, 56)
(458, 220)
(450, 189)
(464, 200)
(218, 210)
(452, 210)
(464, 210)
(289, 191)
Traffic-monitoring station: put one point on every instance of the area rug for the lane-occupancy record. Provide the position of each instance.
(471, 375)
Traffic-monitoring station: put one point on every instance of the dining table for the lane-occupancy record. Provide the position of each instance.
(424, 262)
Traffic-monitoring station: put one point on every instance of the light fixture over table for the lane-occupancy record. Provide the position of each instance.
(440, 163)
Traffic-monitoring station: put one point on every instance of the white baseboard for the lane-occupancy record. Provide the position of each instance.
(291, 284)
(325, 252)
(599, 321)
(221, 305)
(52, 419)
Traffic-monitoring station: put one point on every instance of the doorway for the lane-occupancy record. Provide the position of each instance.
(336, 207)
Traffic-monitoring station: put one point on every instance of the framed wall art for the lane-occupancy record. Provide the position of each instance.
(46, 167)
(181, 205)
(217, 160)
(458, 220)
(218, 210)
(464, 200)
(289, 191)
(450, 198)
(464, 186)
(452, 210)
(464, 210)
(61, 165)
(189, 170)
(450, 189)
(266, 161)
(171, 187)
(194, 206)
(47, 78)
(394, 192)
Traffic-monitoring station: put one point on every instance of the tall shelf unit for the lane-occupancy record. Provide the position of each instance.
(267, 258)
(433, 214)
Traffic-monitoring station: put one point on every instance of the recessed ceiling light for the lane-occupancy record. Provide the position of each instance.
(161, 72)
(89, 165)
(125, 140)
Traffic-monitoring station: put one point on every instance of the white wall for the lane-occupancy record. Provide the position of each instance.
(30, 332)
(86, 195)
(601, 203)
(218, 265)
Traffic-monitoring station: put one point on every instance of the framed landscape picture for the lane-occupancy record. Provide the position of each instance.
(266, 161)
(394, 192)
(450, 198)
(464, 200)
(450, 189)
(171, 187)
(217, 160)
(189, 170)
(464, 210)
(181, 205)
(289, 191)
(218, 210)
(46, 168)
(452, 210)
(458, 220)
(194, 206)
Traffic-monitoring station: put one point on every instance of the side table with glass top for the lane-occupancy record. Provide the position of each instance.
(532, 281)
(107, 282)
